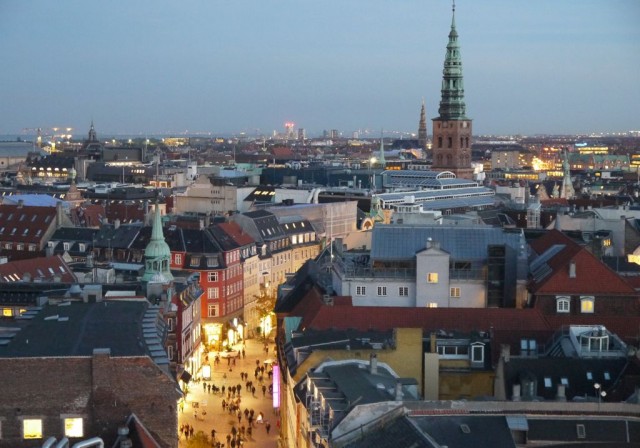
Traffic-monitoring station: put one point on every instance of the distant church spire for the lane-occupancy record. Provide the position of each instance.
(567, 192)
(422, 128)
(383, 162)
(92, 133)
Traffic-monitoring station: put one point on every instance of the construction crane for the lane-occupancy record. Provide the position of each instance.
(53, 133)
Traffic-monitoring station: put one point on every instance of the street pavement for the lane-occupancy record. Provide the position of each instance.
(203, 410)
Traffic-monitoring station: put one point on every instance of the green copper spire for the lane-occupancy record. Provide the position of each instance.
(157, 254)
(452, 105)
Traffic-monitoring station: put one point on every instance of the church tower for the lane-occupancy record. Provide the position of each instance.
(452, 129)
(157, 255)
(422, 129)
(93, 137)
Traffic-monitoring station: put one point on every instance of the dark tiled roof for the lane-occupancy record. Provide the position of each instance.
(120, 238)
(69, 234)
(395, 434)
(484, 431)
(113, 325)
(565, 430)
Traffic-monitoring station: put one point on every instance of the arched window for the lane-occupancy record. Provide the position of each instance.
(449, 159)
(563, 304)
(439, 142)
(449, 142)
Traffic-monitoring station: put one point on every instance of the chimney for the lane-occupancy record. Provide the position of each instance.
(505, 352)
(116, 223)
(373, 364)
(429, 243)
(399, 394)
(515, 396)
(572, 269)
(59, 214)
(201, 224)
(20, 203)
(561, 396)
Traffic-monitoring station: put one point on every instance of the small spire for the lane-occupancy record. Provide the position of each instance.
(453, 14)
(383, 162)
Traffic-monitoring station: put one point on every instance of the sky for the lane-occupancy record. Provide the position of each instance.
(149, 67)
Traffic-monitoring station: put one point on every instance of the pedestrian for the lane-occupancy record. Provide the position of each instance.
(234, 431)
(223, 388)
(190, 431)
(204, 386)
(243, 355)
(224, 403)
(239, 417)
(257, 362)
(249, 431)
(264, 390)
(209, 387)
(253, 391)
(228, 439)
(268, 427)
(213, 434)
(234, 361)
(246, 412)
(195, 414)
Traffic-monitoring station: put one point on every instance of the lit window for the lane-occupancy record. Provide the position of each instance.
(432, 277)
(564, 381)
(587, 304)
(7, 312)
(432, 305)
(547, 382)
(213, 310)
(73, 427)
(32, 428)
(454, 292)
(212, 293)
(562, 304)
(195, 261)
(212, 276)
(361, 290)
(403, 291)
(66, 246)
(178, 259)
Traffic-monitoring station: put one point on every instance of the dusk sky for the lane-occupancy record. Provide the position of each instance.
(224, 66)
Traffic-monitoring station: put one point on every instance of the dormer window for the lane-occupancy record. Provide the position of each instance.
(563, 304)
(195, 261)
(477, 352)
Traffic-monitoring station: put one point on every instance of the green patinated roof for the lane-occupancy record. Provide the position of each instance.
(452, 106)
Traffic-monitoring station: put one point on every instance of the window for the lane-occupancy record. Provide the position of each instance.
(212, 276)
(82, 247)
(170, 352)
(212, 293)
(212, 262)
(564, 381)
(361, 290)
(382, 290)
(403, 291)
(213, 310)
(32, 428)
(607, 376)
(19, 246)
(178, 259)
(195, 261)
(562, 304)
(581, 433)
(454, 292)
(32, 247)
(547, 382)
(432, 277)
(477, 353)
(432, 305)
(590, 376)
(66, 246)
(587, 304)
(73, 427)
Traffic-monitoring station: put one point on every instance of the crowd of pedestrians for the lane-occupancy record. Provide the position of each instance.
(232, 409)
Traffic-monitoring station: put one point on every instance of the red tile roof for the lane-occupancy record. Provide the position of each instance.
(592, 276)
(25, 224)
(43, 267)
(236, 232)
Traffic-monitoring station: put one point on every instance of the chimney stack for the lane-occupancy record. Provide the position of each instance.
(373, 364)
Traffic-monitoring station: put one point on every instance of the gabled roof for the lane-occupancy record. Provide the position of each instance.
(401, 242)
(44, 268)
(70, 234)
(118, 238)
(552, 272)
(237, 233)
(25, 224)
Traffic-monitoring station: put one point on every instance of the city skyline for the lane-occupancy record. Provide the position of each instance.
(230, 67)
